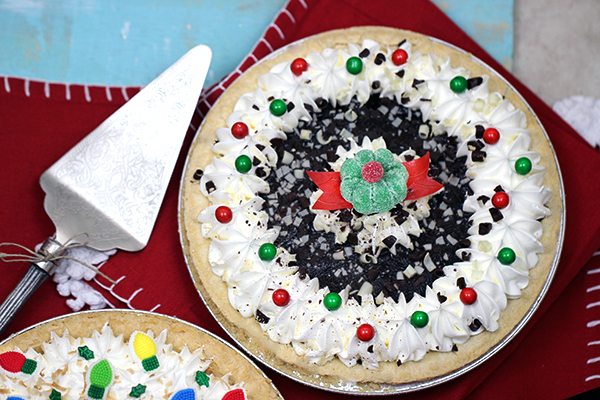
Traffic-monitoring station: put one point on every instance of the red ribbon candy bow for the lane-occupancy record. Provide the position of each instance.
(419, 185)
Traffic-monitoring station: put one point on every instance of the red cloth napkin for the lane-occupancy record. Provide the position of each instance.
(39, 122)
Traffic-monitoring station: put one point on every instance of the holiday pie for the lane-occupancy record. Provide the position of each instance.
(125, 355)
(371, 205)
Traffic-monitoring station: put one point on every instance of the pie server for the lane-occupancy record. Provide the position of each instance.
(106, 191)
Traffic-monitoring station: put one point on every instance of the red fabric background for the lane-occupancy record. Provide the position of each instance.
(547, 359)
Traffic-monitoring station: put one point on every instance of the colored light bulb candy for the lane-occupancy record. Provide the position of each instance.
(235, 394)
(15, 362)
(184, 394)
(145, 349)
(100, 378)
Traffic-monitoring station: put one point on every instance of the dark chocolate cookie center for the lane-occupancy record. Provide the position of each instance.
(313, 145)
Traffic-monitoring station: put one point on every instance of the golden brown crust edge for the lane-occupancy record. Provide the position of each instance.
(224, 359)
(282, 357)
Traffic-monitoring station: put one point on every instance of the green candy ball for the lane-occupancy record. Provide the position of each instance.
(332, 301)
(458, 84)
(523, 166)
(419, 319)
(243, 164)
(506, 256)
(354, 65)
(267, 251)
(278, 107)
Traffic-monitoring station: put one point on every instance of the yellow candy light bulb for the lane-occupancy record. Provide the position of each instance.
(145, 349)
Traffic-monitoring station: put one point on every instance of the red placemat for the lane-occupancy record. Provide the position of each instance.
(41, 121)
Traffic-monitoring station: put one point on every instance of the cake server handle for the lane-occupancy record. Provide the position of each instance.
(35, 276)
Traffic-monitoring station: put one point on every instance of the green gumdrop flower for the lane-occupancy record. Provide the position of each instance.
(379, 194)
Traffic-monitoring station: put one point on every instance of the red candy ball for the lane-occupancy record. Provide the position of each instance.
(298, 66)
(491, 136)
(399, 57)
(239, 130)
(365, 332)
(223, 214)
(281, 297)
(372, 172)
(500, 199)
(468, 295)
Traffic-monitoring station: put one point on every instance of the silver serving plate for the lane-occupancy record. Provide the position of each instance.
(370, 389)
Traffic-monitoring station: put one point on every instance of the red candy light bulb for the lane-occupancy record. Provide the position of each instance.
(223, 214)
(399, 56)
(468, 295)
(491, 136)
(15, 362)
(365, 332)
(235, 394)
(298, 66)
(239, 130)
(281, 297)
(500, 200)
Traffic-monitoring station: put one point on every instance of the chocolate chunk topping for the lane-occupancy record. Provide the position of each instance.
(210, 186)
(290, 106)
(479, 129)
(260, 147)
(390, 241)
(400, 73)
(376, 85)
(454, 347)
(321, 102)
(364, 53)
(483, 198)
(379, 59)
(485, 228)
(401, 42)
(352, 239)
(198, 174)
(345, 216)
(474, 82)
(417, 82)
(464, 243)
(254, 106)
(255, 161)
(441, 298)
(496, 214)
(498, 189)
(262, 318)
(475, 325)
(260, 172)
(461, 283)
(478, 155)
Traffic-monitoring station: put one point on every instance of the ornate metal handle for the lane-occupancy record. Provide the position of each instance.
(34, 277)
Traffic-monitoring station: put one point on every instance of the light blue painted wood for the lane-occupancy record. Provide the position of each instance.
(124, 42)
(489, 22)
(128, 42)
